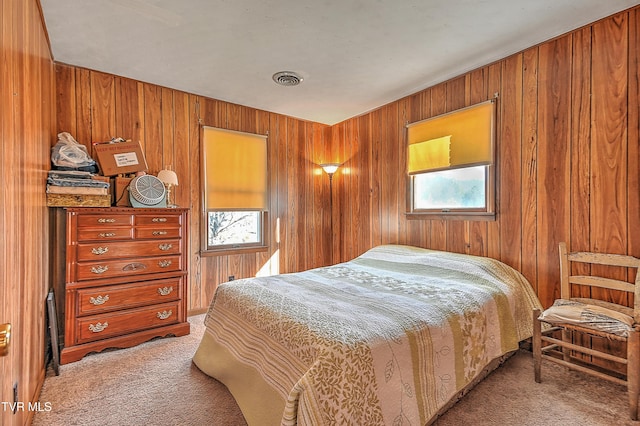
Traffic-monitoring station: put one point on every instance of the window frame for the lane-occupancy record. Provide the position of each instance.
(486, 214)
(228, 249)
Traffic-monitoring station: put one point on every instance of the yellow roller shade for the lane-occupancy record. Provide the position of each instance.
(468, 132)
(235, 169)
(430, 155)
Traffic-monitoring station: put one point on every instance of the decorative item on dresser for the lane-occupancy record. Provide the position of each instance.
(121, 277)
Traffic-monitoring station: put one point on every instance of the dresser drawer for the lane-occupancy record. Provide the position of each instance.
(97, 327)
(157, 220)
(91, 301)
(129, 267)
(165, 232)
(106, 234)
(105, 220)
(118, 250)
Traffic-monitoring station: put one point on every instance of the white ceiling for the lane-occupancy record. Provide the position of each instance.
(354, 55)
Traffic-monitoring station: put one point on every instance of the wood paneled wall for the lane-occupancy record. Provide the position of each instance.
(26, 128)
(567, 157)
(94, 106)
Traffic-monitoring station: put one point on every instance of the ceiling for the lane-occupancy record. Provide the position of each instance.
(354, 55)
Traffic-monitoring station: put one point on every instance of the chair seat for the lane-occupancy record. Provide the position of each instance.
(601, 317)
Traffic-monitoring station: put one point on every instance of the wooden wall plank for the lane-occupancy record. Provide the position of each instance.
(529, 168)
(66, 100)
(554, 95)
(168, 129)
(83, 108)
(128, 111)
(580, 149)
(152, 138)
(609, 210)
(510, 165)
(103, 111)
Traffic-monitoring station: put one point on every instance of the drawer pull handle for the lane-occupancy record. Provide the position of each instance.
(159, 232)
(99, 300)
(106, 220)
(134, 266)
(98, 327)
(106, 234)
(165, 247)
(164, 263)
(99, 269)
(164, 314)
(165, 291)
(99, 250)
(159, 219)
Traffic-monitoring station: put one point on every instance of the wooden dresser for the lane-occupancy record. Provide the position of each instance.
(122, 277)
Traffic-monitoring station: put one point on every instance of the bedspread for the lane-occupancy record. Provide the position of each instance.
(386, 338)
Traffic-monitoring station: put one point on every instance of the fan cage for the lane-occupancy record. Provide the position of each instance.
(147, 189)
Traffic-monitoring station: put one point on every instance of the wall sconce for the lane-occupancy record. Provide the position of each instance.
(170, 179)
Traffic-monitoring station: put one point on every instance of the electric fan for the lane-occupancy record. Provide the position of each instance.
(147, 191)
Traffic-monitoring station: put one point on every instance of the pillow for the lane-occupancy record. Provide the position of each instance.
(588, 315)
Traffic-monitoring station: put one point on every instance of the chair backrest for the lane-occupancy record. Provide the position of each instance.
(566, 279)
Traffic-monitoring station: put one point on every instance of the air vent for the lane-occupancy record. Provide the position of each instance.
(287, 78)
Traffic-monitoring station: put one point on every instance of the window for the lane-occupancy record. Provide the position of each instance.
(450, 164)
(235, 190)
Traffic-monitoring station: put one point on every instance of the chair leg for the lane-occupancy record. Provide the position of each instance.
(566, 337)
(633, 373)
(537, 345)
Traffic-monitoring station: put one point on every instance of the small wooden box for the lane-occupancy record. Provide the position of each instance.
(78, 200)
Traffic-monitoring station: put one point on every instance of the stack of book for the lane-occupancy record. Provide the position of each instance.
(77, 188)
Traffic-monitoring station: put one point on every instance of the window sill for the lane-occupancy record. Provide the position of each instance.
(230, 250)
(470, 216)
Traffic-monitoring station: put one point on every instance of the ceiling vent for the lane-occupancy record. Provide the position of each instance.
(287, 78)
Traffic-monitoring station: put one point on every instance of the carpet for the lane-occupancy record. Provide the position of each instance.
(156, 384)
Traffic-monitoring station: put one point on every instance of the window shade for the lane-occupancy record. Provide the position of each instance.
(468, 132)
(235, 165)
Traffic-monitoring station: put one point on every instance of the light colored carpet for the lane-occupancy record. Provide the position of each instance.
(156, 384)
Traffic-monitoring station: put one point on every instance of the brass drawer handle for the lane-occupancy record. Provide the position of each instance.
(165, 291)
(98, 327)
(164, 263)
(99, 300)
(165, 247)
(106, 220)
(99, 269)
(159, 219)
(106, 234)
(134, 266)
(160, 232)
(164, 314)
(99, 250)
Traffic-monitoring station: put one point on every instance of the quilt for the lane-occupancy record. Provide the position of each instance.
(388, 338)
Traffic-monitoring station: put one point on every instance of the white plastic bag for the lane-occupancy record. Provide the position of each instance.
(69, 153)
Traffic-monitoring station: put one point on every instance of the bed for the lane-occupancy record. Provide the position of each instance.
(394, 336)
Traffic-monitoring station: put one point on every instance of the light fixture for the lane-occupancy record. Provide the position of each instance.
(170, 179)
(330, 169)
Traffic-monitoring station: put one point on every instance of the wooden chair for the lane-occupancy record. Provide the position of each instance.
(584, 320)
